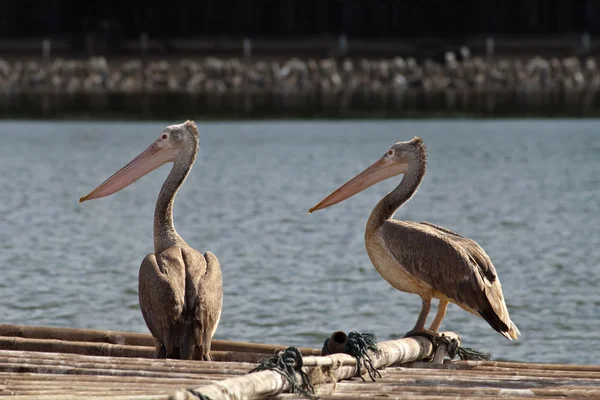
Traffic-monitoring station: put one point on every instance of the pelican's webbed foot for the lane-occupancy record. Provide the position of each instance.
(426, 333)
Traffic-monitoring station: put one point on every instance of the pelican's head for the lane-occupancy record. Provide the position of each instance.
(181, 138)
(173, 143)
(398, 159)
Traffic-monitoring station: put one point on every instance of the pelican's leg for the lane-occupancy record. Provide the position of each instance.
(419, 329)
(441, 313)
(425, 307)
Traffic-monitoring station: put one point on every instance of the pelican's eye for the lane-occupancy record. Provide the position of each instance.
(391, 153)
(164, 136)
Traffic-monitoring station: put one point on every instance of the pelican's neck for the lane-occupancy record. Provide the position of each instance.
(165, 234)
(387, 206)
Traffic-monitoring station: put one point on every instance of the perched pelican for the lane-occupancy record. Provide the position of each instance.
(180, 290)
(424, 258)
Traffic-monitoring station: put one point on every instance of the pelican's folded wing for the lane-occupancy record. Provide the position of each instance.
(161, 294)
(452, 264)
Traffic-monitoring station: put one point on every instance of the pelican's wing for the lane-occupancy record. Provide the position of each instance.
(439, 228)
(453, 265)
(472, 248)
(161, 293)
(204, 297)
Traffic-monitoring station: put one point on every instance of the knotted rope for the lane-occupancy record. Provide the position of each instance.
(464, 353)
(198, 395)
(356, 345)
(287, 363)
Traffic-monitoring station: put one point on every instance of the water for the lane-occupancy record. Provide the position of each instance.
(527, 191)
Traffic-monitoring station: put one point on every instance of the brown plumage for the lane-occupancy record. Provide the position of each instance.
(180, 290)
(423, 258)
(176, 290)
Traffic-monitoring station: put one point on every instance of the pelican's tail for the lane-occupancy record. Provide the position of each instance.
(502, 325)
(513, 332)
(186, 339)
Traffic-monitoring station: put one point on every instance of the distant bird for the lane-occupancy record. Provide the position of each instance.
(424, 258)
(180, 290)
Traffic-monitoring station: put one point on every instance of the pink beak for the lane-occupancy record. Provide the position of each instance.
(150, 159)
(377, 172)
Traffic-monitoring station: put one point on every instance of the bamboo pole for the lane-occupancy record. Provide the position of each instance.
(65, 385)
(506, 364)
(53, 369)
(131, 339)
(26, 378)
(78, 397)
(401, 376)
(73, 347)
(113, 350)
(77, 359)
(336, 343)
(113, 369)
(458, 368)
(396, 375)
(73, 364)
(85, 393)
(533, 372)
(412, 396)
(77, 335)
(478, 390)
(321, 369)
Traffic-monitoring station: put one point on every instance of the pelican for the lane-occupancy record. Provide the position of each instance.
(423, 258)
(180, 290)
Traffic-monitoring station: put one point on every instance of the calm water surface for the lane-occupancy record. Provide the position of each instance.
(527, 191)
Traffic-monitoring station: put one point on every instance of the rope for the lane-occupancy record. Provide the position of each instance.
(357, 346)
(325, 349)
(287, 363)
(197, 394)
(465, 353)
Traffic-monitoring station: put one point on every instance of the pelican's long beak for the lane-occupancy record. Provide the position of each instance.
(150, 159)
(379, 171)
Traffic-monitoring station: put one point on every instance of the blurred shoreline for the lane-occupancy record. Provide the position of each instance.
(456, 83)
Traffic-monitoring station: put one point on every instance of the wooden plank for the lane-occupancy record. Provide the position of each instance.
(419, 396)
(130, 339)
(85, 348)
(117, 366)
(128, 371)
(40, 378)
(538, 366)
(112, 350)
(76, 358)
(52, 369)
(92, 397)
(505, 372)
(515, 390)
(116, 385)
(514, 372)
(85, 393)
(339, 366)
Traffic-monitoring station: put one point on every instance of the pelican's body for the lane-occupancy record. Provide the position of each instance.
(423, 258)
(180, 289)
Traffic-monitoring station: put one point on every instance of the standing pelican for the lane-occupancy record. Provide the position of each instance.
(424, 258)
(180, 290)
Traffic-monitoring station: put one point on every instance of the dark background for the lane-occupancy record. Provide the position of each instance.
(366, 19)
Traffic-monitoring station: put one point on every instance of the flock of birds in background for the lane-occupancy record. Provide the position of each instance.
(181, 290)
(214, 75)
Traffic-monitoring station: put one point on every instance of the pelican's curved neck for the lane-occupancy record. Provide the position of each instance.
(387, 206)
(165, 234)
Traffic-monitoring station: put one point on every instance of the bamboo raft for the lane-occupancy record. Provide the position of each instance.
(61, 363)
